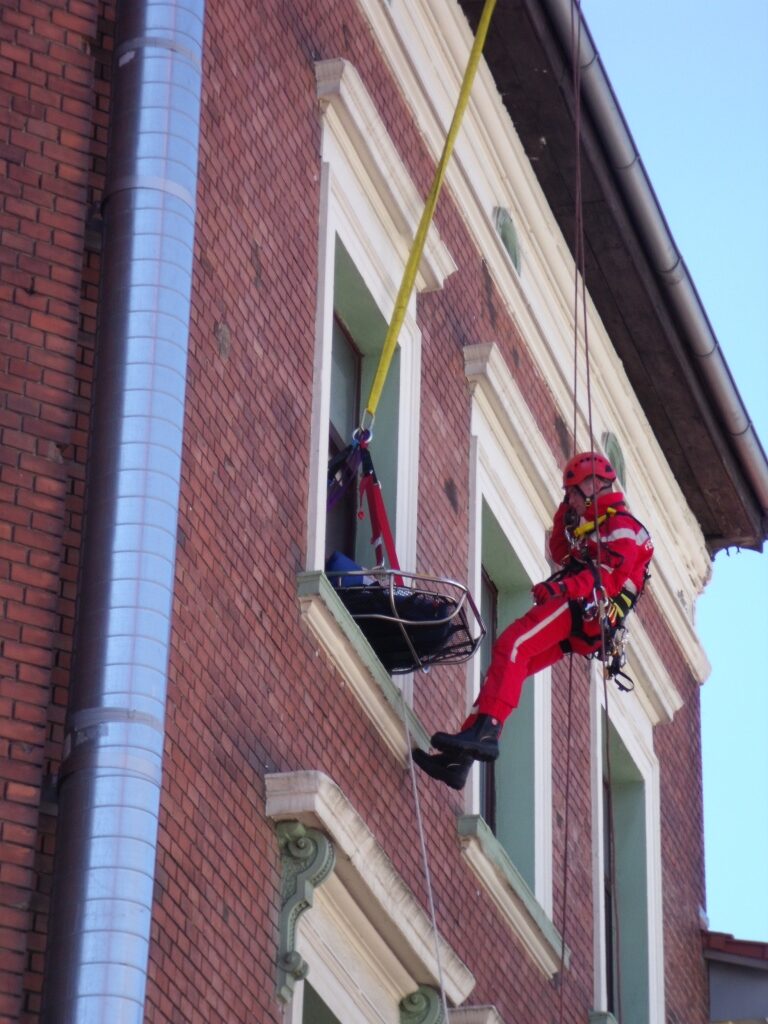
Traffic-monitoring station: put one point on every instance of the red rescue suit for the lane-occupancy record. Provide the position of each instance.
(568, 619)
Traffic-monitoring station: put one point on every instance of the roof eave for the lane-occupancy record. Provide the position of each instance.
(637, 278)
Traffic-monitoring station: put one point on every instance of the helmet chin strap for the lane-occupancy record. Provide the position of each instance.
(590, 498)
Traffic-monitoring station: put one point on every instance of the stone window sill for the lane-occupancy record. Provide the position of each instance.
(474, 1015)
(511, 894)
(331, 625)
(365, 897)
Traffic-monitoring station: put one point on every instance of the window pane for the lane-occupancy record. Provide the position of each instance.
(345, 385)
(359, 333)
(488, 609)
(344, 418)
(315, 1010)
(508, 786)
(627, 951)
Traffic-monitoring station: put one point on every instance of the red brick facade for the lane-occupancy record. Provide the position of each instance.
(248, 692)
(53, 117)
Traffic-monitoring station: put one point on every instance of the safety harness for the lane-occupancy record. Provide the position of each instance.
(612, 610)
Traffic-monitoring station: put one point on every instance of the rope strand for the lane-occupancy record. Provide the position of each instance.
(566, 836)
(578, 254)
(424, 859)
(611, 840)
(580, 293)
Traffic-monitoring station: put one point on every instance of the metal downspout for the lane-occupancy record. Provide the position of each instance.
(109, 795)
(665, 257)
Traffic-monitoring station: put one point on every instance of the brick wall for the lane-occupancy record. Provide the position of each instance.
(48, 143)
(248, 692)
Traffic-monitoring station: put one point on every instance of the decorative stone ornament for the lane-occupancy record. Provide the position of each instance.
(424, 1006)
(307, 858)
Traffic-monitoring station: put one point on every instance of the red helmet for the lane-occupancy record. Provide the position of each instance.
(584, 466)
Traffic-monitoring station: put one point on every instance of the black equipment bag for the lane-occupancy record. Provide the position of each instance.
(407, 628)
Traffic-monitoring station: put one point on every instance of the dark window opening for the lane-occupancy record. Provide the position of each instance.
(625, 885)
(358, 333)
(489, 604)
(341, 529)
(608, 888)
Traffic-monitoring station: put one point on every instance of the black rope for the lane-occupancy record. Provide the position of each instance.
(580, 291)
(566, 838)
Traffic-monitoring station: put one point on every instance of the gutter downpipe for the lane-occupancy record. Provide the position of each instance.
(109, 785)
(665, 257)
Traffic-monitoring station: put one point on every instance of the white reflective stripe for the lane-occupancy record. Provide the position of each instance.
(537, 629)
(630, 586)
(622, 535)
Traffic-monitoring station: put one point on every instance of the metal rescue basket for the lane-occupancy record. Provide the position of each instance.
(411, 620)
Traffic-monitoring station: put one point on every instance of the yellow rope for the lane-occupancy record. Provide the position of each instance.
(411, 267)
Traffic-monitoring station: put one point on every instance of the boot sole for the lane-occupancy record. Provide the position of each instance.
(479, 753)
(451, 779)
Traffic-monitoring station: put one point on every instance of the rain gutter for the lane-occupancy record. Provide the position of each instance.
(110, 779)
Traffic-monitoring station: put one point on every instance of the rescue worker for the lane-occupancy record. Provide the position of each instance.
(565, 617)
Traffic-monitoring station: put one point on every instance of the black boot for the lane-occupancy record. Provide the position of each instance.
(480, 740)
(452, 769)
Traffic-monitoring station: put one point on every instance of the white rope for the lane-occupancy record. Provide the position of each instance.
(425, 859)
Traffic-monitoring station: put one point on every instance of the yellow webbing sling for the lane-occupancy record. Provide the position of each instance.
(412, 266)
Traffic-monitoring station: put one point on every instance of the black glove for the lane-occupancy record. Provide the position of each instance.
(571, 518)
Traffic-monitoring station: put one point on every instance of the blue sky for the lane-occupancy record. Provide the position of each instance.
(691, 77)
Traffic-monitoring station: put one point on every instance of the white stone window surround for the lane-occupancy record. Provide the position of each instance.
(628, 718)
(513, 470)
(508, 447)
(370, 203)
(366, 937)
(426, 44)
(499, 400)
